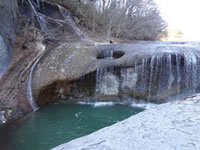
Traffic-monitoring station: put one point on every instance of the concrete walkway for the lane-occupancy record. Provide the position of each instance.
(170, 126)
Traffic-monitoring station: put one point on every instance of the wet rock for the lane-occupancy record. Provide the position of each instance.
(57, 25)
(13, 89)
(152, 71)
(5, 115)
(60, 66)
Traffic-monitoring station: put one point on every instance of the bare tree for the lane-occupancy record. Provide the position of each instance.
(126, 19)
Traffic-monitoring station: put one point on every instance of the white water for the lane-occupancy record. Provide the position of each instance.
(107, 83)
(146, 77)
(151, 75)
(107, 104)
(99, 104)
(144, 105)
(165, 74)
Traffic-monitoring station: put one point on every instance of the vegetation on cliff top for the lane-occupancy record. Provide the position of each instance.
(124, 19)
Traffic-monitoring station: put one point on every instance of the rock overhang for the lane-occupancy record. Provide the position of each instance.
(70, 61)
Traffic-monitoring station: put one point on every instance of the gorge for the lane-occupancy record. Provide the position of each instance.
(73, 73)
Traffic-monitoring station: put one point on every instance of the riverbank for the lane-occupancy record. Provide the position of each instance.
(170, 126)
(39, 129)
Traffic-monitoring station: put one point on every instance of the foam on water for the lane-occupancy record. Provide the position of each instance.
(106, 104)
(100, 104)
(63, 123)
(144, 105)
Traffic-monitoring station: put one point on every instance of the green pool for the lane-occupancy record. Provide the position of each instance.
(56, 124)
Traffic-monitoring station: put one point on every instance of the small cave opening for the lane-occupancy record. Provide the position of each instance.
(110, 54)
(91, 87)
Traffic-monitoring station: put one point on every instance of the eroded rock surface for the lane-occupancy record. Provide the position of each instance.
(57, 25)
(152, 71)
(13, 90)
(170, 126)
(7, 32)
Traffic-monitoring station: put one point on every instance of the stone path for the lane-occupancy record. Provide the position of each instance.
(170, 126)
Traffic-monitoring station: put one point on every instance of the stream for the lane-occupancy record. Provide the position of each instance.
(55, 124)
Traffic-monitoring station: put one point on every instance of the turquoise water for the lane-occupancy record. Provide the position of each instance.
(56, 124)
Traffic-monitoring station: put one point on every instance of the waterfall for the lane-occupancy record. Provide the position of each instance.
(191, 70)
(106, 81)
(29, 84)
(178, 73)
(153, 78)
(171, 78)
(143, 73)
(194, 71)
(98, 79)
(151, 75)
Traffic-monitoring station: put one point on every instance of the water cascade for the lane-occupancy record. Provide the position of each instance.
(106, 82)
(156, 78)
